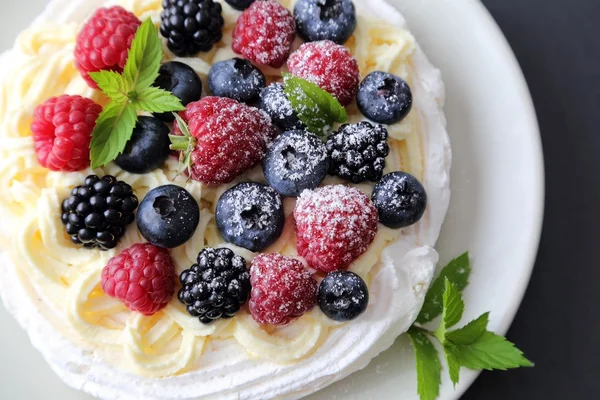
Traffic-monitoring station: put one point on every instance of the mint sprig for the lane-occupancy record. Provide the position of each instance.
(472, 346)
(129, 92)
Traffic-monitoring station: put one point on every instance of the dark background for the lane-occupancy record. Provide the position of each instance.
(557, 43)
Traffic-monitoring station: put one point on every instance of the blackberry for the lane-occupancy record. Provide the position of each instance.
(97, 212)
(191, 26)
(217, 286)
(358, 152)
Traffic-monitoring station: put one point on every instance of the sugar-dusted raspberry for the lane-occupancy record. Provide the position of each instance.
(329, 65)
(282, 289)
(228, 138)
(104, 41)
(142, 277)
(264, 33)
(62, 130)
(334, 226)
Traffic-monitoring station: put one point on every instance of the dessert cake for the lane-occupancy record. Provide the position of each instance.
(251, 247)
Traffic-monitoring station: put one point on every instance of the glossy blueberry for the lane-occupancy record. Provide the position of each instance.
(237, 79)
(343, 295)
(275, 103)
(384, 98)
(400, 200)
(148, 147)
(250, 215)
(296, 160)
(333, 20)
(168, 216)
(181, 80)
(240, 5)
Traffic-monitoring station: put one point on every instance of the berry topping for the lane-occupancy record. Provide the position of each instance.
(297, 160)
(282, 289)
(333, 20)
(217, 286)
(358, 152)
(334, 226)
(275, 103)
(328, 65)
(264, 33)
(148, 147)
(191, 26)
(400, 200)
(250, 215)
(384, 98)
(168, 216)
(98, 212)
(103, 42)
(181, 80)
(142, 277)
(237, 79)
(227, 138)
(343, 295)
(62, 130)
(240, 5)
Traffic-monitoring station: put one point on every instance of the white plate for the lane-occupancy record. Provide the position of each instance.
(497, 196)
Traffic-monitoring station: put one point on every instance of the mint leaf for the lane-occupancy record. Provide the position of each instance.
(452, 361)
(453, 308)
(428, 365)
(491, 351)
(113, 84)
(156, 100)
(457, 272)
(113, 130)
(145, 54)
(316, 108)
(470, 332)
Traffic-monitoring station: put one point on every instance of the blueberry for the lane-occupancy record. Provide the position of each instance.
(297, 160)
(181, 80)
(148, 147)
(384, 98)
(250, 215)
(343, 295)
(168, 216)
(400, 200)
(240, 5)
(237, 79)
(333, 20)
(275, 103)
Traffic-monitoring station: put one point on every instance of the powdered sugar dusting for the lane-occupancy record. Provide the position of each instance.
(297, 155)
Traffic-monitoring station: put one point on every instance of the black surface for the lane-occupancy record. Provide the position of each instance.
(557, 43)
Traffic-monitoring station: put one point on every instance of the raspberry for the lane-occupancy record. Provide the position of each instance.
(103, 42)
(334, 226)
(282, 289)
(62, 130)
(228, 138)
(142, 276)
(264, 33)
(328, 65)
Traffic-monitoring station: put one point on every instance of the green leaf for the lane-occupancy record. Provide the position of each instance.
(457, 272)
(157, 100)
(452, 361)
(316, 108)
(145, 54)
(453, 308)
(112, 132)
(428, 365)
(491, 351)
(470, 332)
(113, 84)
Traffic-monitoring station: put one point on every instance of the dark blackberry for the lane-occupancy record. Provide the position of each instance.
(98, 212)
(191, 26)
(358, 152)
(217, 286)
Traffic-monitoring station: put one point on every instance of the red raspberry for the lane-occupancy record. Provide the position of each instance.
(142, 276)
(62, 130)
(282, 289)
(328, 65)
(230, 137)
(334, 226)
(264, 33)
(104, 41)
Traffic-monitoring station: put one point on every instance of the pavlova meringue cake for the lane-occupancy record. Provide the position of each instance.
(64, 291)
